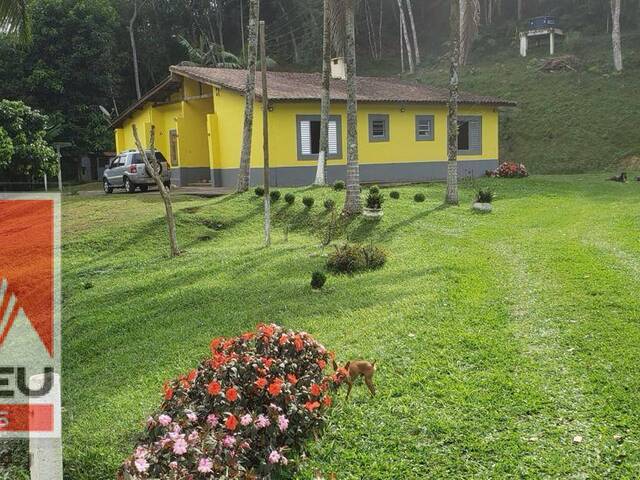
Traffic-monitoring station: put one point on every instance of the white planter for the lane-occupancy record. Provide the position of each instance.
(482, 207)
(372, 213)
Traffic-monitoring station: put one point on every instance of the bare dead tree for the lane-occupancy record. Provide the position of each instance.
(405, 30)
(265, 136)
(452, 143)
(416, 47)
(615, 35)
(153, 168)
(134, 48)
(469, 27)
(244, 174)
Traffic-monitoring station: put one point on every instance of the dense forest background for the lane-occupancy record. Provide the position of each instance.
(80, 56)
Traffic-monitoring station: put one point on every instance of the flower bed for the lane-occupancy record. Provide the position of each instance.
(240, 413)
(511, 170)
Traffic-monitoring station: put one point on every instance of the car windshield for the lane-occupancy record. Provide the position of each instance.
(137, 158)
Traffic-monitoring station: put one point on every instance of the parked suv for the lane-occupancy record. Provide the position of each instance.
(128, 171)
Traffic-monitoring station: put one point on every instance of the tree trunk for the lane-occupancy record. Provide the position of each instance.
(249, 98)
(265, 137)
(402, 67)
(407, 42)
(520, 9)
(416, 47)
(220, 21)
(352, 204)
(452, 144)
(152, 167)
(321, 172)
(134, 49)
(615, 35)
(469, 24)
(292, 35)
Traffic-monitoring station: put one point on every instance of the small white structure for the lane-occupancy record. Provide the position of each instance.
(551, 32)
(338, 68)
(45, 449)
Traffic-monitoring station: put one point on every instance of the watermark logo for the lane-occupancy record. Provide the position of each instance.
(29, 316)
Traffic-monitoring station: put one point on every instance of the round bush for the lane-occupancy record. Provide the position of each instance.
(259, 191)
(290, 198)
(395, 195)
(374, 189)
(308, 201)
(329, 204)
(318, 279)
(338, 185)
(419, 197)
(257, 398)
(275, 195)
(352, 258)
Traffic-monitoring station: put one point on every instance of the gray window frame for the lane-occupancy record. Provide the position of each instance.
(426, 138)
(471, 151)
(373, 117)
(316, 118)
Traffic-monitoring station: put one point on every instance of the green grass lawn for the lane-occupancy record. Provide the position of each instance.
(499, 338)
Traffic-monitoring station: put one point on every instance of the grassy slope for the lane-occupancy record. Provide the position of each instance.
(499, 338)
(566, 122)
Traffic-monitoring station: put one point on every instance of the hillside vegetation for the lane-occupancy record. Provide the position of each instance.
(566, 122)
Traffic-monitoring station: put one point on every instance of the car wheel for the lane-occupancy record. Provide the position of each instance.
(144, 188)
(129, 186)
(106, 187)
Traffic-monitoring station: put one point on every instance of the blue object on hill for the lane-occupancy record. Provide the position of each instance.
(542, 22)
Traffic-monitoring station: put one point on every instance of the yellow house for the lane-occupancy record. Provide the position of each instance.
(402, 128)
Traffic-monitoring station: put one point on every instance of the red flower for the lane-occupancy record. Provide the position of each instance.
(266, 330)
(292, 378)
(276, 387)
(214, 388)
(267, 362)
(283, 339)
(192, 375)
(168, 391)
(261, 383)
(322, 364)
(231, 394)
(215, 343)
(299, 344)
(326, 401)
(311, 406)
(248, 336)
(231, 422)
(315, 390)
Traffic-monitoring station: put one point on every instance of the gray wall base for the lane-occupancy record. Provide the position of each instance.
(369, 173)
(181, 176)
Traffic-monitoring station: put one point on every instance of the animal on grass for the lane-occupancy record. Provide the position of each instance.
(622, 178)
(357, 368)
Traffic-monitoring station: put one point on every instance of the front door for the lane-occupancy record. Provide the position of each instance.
(173, 147)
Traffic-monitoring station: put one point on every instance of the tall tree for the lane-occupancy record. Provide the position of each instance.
(134, 48)
(325, 106)
(244, 173)
(265, 136)
(403, 26)
(469, 26)
(14, 17)
(416, 47)
(452, 144)
(615, 35)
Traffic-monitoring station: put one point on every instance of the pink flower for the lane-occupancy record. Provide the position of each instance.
(180, 446)
(274, 456)
(193, 437)
(212, 420)
(164, 420)
(205, 465)
(173, 465)
(164, 441)
(229, 441)
(245, 420)
(140, 452)
(192, 416)
(141, 464)
(262, 421)
(283, 423)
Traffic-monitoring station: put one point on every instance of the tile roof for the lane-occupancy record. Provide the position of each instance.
(308, 86)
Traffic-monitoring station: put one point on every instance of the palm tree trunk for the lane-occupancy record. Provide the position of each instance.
(452, 146)
(403, 24)
(414, 32)
(249, 98)
(321, 176)
(352, 204)
(615, 35)
(265, 136)
(134, 49)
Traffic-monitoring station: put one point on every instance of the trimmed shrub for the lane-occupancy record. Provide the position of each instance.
(290, 198)
(329, 204)
(308, 201)
(419, 197)
(275, 195)
(259, 191)
(484, 196)
(318, 279)
(237, 414)
(395, 195)
(375, 200)
(374, 189)
(338, 185)
(352, 258)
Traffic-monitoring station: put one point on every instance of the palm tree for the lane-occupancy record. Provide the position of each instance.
(321, 173)
(615, 35)
(14, 18)
(454, 52)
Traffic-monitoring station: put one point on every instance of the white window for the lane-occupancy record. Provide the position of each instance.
(378, 128)
(424, 127)
(308, 129)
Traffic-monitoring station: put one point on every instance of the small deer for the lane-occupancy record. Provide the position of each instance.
(355, 368)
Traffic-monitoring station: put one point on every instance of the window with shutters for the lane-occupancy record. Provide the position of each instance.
(424, 127)
(308, 130)
(378, 128)
(470, 135)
